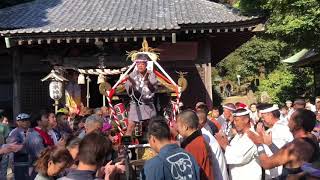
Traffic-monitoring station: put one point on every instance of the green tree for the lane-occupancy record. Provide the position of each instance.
(247, 61)
(290, 26)
(294, 21)
(286, 83)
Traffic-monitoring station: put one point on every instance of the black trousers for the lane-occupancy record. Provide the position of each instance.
(21, 173)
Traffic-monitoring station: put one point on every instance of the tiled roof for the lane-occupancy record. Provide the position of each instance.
(114, 15)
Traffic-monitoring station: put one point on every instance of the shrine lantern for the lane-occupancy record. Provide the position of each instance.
(55, 87)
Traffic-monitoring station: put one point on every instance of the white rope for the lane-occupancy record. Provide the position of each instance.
(103, 71)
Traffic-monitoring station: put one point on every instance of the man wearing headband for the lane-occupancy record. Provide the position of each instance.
(226, 119)
(240, 152)
(303, 149)
(278, 133)
(141, 87)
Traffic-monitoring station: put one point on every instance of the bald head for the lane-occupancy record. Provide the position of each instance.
(189, 118)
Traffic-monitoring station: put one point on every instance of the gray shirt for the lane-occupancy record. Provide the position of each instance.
(141, 93)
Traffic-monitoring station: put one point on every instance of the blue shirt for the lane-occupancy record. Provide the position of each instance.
(172, 162)
(34, 143)
(19, 136)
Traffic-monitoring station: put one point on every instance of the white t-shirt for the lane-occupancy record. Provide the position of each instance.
(219, 161)
(281, 135)
(241, 156)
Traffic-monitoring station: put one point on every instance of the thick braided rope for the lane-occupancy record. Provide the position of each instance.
(113, 113)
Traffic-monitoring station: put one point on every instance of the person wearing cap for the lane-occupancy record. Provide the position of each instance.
(241, 152)
(226, 120)
(303, 149)
(19, 136)
(141, 87)
(278, 131)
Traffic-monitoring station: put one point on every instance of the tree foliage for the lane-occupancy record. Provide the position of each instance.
(286, 83)
(295, 21)
(247, 60)
(290, 26)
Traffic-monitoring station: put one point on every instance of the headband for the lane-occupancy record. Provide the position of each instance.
(270, 109)
(247, 112)
(230, 108)
(141, 61)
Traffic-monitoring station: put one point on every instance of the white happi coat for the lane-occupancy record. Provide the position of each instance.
(241, 156)
(281, 135)
(218, 162)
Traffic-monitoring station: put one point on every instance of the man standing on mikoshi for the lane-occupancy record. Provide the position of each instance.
(141, 87)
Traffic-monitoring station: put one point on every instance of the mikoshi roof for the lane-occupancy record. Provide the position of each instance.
(56, 16)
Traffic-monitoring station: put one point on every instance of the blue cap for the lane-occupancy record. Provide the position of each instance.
(23, 116)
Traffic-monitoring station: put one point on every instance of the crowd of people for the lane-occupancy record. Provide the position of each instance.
(259, 141)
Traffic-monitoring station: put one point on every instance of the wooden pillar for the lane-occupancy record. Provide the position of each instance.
(208, 84)
(16, 60)
(207, 71)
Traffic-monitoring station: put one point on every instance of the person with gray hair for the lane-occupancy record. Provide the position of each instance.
(93, 123)
(98, 112)
(226, 120)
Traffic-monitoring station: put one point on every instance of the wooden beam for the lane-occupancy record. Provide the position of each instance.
(16, 99)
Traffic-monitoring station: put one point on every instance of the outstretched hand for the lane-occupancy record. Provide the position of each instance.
(261, 137)
(111, 170)
(12, 147)
(256, 138)
(222, 140)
